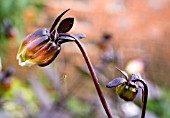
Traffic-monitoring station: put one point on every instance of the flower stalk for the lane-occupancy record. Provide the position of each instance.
(94, 77)
(91, 69)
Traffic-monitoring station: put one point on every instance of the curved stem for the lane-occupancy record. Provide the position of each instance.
(90, 67)
(93, 74)
(145, 97)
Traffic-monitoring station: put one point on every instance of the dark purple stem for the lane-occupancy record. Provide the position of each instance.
(145, 96)
(90, 67)
(93, 74)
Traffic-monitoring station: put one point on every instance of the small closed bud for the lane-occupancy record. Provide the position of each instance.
(127, 92)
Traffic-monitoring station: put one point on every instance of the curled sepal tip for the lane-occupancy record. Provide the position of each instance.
(124, 73)
(57, 20)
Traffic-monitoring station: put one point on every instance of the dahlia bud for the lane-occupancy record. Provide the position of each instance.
(38, 48)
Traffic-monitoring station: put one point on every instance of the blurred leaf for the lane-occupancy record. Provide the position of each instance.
(161, 105)
(83, 71)
(77, 106)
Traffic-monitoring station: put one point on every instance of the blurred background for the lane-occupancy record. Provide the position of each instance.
(132, 35)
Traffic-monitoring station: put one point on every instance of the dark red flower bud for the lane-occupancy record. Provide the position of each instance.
(38, 48)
